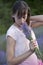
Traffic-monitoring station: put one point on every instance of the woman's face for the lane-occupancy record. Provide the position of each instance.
(20, 21)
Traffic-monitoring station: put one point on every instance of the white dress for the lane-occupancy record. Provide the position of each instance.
(22, 45)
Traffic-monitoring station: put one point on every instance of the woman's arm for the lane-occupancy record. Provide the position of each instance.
(37, 18)
(36, 24)
(36, 21)
(11, 44)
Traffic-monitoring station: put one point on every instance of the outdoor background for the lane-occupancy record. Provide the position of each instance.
(5, 19)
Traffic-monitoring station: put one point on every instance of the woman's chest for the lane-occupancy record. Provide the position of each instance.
(22, 44)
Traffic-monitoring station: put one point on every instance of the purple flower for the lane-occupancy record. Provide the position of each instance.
(2, 57)
(26, 30)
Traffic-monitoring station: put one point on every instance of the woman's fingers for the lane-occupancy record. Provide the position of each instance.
(33, 45)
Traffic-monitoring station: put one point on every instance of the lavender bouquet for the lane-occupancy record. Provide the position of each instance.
(27, 32)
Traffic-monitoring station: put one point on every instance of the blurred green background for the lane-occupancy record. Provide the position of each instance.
(6, 11)
(5, 17)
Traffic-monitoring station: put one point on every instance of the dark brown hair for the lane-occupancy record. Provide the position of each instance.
(22, 8)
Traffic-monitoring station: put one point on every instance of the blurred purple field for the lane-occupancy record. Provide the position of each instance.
(40, 42)
(3, 58)
(39, 35)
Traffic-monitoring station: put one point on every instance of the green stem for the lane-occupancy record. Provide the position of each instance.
(37, 51)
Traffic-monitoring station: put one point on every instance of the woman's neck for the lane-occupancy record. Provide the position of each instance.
(18, 26)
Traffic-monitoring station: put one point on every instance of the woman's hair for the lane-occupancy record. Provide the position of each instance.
(21, 7)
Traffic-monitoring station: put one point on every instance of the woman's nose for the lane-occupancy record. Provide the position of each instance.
(23, 20)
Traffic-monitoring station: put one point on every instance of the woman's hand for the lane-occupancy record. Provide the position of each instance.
(33, 45)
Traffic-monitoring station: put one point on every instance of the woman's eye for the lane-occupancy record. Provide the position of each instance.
(24, 17)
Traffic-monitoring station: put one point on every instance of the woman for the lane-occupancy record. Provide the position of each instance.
(19, 51)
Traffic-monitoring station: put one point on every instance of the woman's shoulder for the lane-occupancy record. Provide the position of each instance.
(11, 29)
(12, 32)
